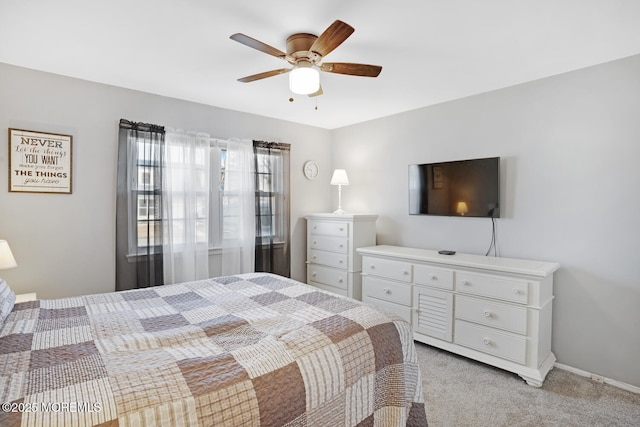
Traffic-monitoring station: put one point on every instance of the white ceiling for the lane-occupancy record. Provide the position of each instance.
(431, 50)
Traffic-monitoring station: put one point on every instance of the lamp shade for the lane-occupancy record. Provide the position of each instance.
(462, 208)
(6, 257)
(304, 79)
(339, 177)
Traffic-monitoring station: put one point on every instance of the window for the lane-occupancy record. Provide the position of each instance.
(204, 177)
(269, 196)
(146, 188)
(271, 176)
(181, 194)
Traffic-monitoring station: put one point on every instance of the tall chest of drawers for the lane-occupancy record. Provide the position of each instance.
(495, 310)
(332, 261)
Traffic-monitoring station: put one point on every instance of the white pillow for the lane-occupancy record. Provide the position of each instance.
(7, 300)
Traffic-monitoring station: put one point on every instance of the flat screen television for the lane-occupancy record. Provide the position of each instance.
(468, 188)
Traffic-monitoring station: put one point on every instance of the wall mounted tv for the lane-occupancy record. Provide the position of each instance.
(468, 188)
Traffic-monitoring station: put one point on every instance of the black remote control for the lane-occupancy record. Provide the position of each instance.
(445, 252)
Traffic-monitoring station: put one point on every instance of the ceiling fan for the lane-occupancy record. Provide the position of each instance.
(305, 53)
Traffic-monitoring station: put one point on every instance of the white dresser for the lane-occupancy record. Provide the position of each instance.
(495, 310)
(332, 240)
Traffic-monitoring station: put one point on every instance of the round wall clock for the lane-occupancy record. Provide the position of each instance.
(311, 169)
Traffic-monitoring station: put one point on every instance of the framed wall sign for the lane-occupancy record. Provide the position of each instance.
(437, 177)
(39, 162)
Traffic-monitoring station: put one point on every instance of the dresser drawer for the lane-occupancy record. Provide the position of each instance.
(491, 341)
(337, 229)
(339, 291)
(433, 276)
(397, 309)
(332, 259)
(493, 286)
(399, 293)
(507, 317)
(390, 269)
(328, 276)
(331, 244)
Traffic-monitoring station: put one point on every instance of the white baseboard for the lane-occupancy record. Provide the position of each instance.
(586, 374)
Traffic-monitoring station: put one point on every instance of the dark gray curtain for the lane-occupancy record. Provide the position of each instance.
(272, 207)
(139, 206)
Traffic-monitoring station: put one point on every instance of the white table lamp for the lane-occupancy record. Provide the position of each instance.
(6, 257)
(339, 178)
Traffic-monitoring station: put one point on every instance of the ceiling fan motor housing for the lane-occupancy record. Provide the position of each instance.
(299, 45)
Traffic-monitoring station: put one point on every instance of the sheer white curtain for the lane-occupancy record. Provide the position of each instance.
(186, 206)
(238, 243)
(208, 207)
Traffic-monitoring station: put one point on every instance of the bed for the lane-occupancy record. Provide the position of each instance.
(244, 350)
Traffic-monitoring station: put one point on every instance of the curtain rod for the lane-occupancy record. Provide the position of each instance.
(144, 127)
(272, 145)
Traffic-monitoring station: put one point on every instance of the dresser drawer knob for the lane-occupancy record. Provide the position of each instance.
(340, 280)
(341, 245)
(434, 277)
(314, 257)
(486, 341)
(487, 313)
(340, 262)
(387, 290)
(341, 228)
(516, 291)
(406, 273)
(466, 283)
(372, 267)
(313, 274)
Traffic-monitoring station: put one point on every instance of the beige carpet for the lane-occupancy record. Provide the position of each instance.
(463, 392)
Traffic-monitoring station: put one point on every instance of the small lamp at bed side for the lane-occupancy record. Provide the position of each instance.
(339, 178)
(6, 257)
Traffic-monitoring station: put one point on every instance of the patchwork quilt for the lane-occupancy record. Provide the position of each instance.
(247, 350)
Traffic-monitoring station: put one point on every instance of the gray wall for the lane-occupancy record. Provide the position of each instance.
(65, 244)
(570, 147)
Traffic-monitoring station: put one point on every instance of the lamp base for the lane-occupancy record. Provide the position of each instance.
(339, 212)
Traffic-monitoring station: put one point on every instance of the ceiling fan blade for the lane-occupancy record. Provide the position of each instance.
(364, 70)
(316, 93)
(332, 37)
(258, 45)
(264, 75)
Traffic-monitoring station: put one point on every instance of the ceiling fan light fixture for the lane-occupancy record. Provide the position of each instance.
(304, 79)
